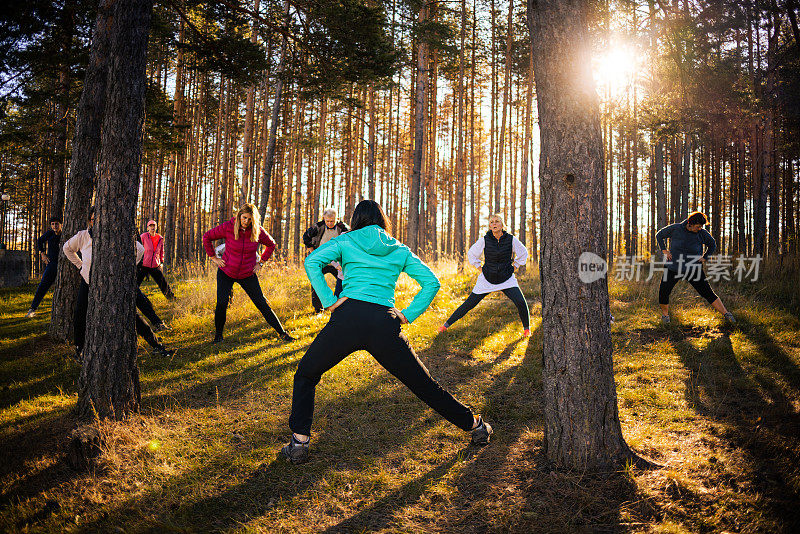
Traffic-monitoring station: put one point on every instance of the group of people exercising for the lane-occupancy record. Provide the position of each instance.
(366, 262)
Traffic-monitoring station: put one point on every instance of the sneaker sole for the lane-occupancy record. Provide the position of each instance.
(300, 459)
(482, 439)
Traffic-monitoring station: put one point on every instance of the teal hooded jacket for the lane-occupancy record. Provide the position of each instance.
(372, 260)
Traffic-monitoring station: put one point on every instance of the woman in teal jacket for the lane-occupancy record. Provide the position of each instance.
(364, 318)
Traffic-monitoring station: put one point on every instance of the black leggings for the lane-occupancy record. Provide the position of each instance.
(358, 325)
(253, 290)
(48, 277)
(698, 281)
(143, 272)
(513, 293)
(142, 328)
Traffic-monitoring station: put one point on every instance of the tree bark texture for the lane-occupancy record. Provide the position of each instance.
(582, 428)
(109, 381)
(85, 147)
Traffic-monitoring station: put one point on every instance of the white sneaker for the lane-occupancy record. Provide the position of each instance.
(30, 313)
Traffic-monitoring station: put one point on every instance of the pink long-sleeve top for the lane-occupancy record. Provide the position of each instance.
(153, 249)
(240, 252)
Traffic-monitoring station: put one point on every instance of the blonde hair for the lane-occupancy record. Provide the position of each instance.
(255, 227)
(498, 217)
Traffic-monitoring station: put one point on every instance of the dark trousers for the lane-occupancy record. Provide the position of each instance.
(253, 290)
(697, 278)
(146, 307)
(328, 269)
(358, 325)
(48, 277)
(143, 272)
(513, 293)
(142, 327)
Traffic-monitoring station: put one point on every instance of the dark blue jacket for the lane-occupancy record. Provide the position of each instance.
(685, 244)
(51, 240)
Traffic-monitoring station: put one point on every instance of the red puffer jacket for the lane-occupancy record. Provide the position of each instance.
(240, 254)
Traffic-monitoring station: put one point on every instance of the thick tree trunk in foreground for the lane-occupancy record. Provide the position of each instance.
(85, 147)
(109, 381)
(582, 429)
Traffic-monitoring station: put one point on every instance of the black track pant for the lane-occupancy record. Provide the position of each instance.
(48, 277)
(328, 269)
(142, 327)
(699, 283)
(358, 325)
(146, 307)
(253, 290)
(513, 293)
(143, 272)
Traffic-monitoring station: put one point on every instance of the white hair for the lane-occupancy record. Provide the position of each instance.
(329, 211)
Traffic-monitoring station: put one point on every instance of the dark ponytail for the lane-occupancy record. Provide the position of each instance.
(368, 212)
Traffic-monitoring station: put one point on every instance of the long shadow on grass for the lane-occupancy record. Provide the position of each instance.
(35, 442)
(758, 417)
(351, 433)
(512, 488)
(381, 514)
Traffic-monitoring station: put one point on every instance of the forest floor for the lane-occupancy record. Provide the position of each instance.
(717, 406)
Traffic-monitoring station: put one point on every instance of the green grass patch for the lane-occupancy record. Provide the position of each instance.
(718, 406)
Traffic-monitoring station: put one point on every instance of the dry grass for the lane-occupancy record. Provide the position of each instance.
(717, 406)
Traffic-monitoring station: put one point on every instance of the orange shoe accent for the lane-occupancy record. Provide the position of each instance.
(526, 332)
(442, 328)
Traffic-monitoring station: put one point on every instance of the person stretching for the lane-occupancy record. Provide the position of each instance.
(153, 262)
(503, 254)
(316, 236)
(684, 261)
(49, 241)
(240, 263)
(81, 243)
(364, 318)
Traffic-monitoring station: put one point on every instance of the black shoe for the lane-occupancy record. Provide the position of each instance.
(163, 351)
(160, 327)
(295, 451)
(217, 338)
(481, 433)
(287, 337)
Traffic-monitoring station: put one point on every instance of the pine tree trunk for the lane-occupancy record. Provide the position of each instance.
(419, 137)
(582, 428)
(249, 114)
(175, 156)
(266, 180)
(66, 30)
(109, 381)
(85, 147)
(526, 148)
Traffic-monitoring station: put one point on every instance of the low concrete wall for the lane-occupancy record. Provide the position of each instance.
(15, 268)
